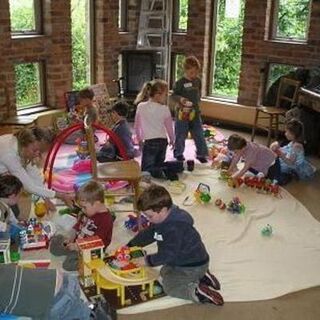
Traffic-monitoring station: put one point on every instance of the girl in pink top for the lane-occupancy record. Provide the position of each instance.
(153, 123)
(257, 158)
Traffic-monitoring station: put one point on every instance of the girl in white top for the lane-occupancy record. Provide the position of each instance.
(153, 123)
(18, 153)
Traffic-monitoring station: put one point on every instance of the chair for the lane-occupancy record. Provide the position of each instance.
(273, 115)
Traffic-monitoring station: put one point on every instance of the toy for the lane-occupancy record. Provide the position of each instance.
(219, 203)
(221, 157)
(90, 249)
(202, 193)
(5, 248)
(132, 222)
(83, 150)
(40, 207)
(186, 112)
(267, 231)
(34, 236)
(235, 206)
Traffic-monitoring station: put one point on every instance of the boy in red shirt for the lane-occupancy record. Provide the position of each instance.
(96, 220)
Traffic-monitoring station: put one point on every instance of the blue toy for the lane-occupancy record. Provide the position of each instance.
(235, 206)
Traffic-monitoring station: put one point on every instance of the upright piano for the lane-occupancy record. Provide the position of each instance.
(309, 100)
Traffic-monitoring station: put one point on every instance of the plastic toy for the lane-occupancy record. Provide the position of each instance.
(90, 249)
(83, 150)
(221, 157)
(35, 235)
(235, 206)
(132, 222)
(267, 231)
(219, 203)
(202, 193)
(186, 112)
(5, 248)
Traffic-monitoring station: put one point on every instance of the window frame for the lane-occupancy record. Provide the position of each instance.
(176, 17)
(38, 20)
(42, 86)
(274, 25)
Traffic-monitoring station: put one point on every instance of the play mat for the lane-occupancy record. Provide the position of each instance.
(271, 249)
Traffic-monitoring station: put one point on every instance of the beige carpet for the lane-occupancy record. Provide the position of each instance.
(250, 267)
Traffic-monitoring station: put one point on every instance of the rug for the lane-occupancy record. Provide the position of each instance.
(249, 266)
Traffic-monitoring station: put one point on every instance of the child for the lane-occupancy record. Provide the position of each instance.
(257, 158)
(187, 92)
(181, 252)
(292, 160)
(109, 152)
(84, 110)
(96, 220)
(10, 189)
(46, 294)
(153, 123)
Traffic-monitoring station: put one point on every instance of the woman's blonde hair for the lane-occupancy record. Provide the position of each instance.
(150, 89)
(91, 192)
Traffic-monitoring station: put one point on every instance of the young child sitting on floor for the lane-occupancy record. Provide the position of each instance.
(96, 220)
(109, 152)
(54, 295)
(181, 252)
(257, 158)
(10, 188)
(291, 156)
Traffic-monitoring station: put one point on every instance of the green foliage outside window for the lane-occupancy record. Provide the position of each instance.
(179, 60)
(278, 70)
(80, 44)
(183, 14)
(228, 46)
(27, 76)
(22, 15)
(292, 19)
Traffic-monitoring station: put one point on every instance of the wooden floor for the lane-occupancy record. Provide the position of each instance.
(303, 305)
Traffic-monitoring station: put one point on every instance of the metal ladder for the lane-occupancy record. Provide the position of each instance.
(154, 33)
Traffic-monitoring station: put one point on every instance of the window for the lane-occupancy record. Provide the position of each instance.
(227, 47)
(25, 16)
(123, 15)
(82, 43)
(278, 70)
(177, 67)
(29, 84)
(291, 19)
(180, 15)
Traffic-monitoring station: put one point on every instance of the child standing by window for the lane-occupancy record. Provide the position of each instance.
(96, 220)
(291, 156)
(153, 123)
(187, 93)
(257, 158)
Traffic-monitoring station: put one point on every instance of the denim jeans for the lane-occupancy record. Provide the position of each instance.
(154, 155)
(181, 282)
(67, 304)
(195, 127)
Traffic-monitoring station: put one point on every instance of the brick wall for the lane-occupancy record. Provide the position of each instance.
(54, 47)
(258, 51)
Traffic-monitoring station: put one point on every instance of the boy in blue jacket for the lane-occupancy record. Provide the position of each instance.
(181, 252)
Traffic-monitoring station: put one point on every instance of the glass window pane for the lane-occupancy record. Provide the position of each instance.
(178, 69)
(28, 84)
(80, 29)
(278, 70)
(293, 19)
(22, 15)
(183, 14)
(228, 47)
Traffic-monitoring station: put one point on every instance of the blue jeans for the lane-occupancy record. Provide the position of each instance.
(154, 155)
(195, 127)
(67, 304)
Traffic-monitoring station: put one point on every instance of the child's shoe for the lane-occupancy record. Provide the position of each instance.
(210, 280)
(207, 295)
(202, 159)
